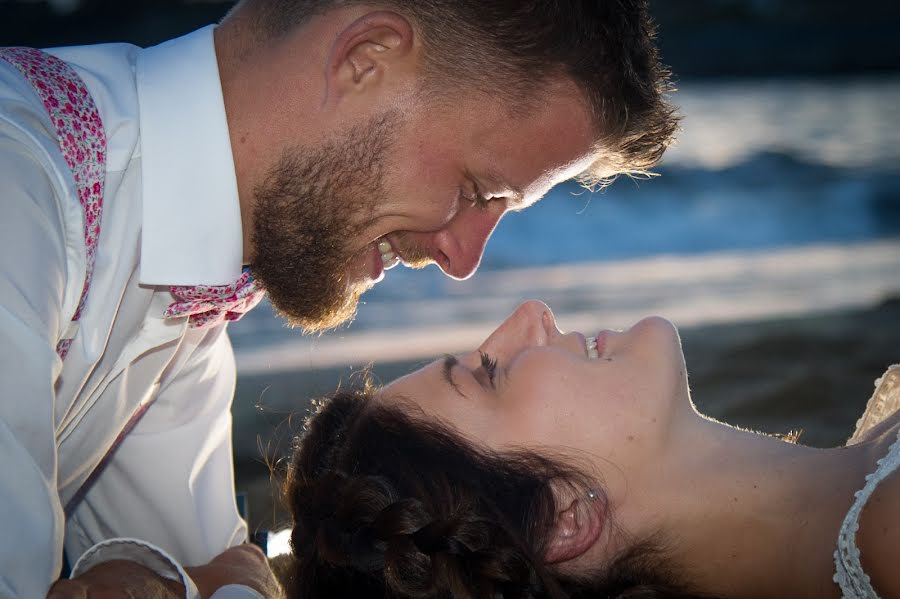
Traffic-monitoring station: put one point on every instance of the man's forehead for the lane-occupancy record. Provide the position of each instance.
(529, 158)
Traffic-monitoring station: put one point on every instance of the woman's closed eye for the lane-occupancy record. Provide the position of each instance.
(489, 366)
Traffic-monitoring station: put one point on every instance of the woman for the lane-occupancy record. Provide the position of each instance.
(554, 465)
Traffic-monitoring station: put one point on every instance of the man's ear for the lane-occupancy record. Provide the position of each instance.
(367, 49)
(577, 528)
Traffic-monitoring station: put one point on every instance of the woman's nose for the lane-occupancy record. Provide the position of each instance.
(531, 324)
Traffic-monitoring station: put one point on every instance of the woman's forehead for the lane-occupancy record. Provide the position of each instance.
(426, 375)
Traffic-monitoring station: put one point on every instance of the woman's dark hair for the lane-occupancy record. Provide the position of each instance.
(385, 504)
(511, 49)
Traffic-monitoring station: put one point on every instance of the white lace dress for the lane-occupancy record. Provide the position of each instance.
(849, 575)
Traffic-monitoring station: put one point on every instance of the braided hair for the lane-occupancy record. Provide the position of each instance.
(387, 505)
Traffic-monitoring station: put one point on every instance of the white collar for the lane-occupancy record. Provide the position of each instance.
(191, 214)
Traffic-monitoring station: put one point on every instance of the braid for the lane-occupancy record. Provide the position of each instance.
(361, 524)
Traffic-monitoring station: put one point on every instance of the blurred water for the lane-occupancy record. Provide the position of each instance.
(759, 165)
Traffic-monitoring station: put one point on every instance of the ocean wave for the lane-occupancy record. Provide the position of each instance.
(689, 290)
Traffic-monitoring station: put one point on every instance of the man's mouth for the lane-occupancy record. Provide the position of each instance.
(389, 258)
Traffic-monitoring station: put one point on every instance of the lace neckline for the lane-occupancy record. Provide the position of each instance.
(849, 573)
(884, 402)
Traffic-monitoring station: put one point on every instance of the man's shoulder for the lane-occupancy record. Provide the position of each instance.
(26, 130)
(107, 71)
(101, 59)
(105, 64)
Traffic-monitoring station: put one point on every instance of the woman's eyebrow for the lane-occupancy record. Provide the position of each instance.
(449, 362)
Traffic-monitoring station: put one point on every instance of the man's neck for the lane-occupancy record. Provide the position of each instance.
(231, 53)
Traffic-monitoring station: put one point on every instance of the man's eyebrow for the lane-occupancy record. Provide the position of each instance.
(497, 179)
(449, 362)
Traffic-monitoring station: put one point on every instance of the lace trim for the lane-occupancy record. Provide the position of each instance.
(849, 575)
(884, 402)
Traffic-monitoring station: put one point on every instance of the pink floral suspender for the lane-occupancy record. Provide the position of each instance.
(81, 139)
(83, 144)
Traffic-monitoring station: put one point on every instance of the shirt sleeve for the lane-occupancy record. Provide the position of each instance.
(139, 552)
(171, 481)
(236, 591)
(33, 277)
(157, 560)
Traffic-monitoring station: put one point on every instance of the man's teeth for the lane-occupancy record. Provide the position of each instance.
(591, 346)
(388, 257)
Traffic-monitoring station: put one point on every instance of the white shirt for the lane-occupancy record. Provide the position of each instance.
(170, 216)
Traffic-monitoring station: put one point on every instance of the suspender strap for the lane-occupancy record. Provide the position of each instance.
(82, 141)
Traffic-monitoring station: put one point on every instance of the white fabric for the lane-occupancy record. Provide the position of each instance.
(171, 482)
(884, 401)
(159, 561)
(849, 573)
(140, 552)
(182, 110)
(236, 591)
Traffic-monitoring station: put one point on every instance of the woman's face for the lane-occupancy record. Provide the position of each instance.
(531, 386)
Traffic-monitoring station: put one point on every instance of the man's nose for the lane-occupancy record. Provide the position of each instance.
(460, 245)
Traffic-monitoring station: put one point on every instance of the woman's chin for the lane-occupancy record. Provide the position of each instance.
(657, 342)
(657, 335)
(660, 323)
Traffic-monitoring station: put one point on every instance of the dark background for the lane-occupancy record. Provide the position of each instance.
(699, 38)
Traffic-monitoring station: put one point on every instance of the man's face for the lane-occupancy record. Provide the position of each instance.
(422, 186)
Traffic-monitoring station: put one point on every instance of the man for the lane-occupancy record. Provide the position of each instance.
(320, 142)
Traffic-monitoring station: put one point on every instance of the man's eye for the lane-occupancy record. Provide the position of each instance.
(481, 202)
(489, 365)
(476, 198)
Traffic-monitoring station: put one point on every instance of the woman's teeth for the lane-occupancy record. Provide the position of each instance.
(388, 257)
(591, 346)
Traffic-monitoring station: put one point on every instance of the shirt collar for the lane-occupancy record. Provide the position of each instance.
(191, 231)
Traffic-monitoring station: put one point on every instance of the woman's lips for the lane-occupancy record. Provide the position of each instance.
(602, 338)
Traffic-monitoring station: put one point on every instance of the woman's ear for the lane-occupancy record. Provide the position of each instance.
(577, 526)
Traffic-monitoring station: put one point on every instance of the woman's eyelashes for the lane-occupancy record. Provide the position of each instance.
(489, 366)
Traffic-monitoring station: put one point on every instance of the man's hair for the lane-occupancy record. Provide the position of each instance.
(385, 504)
(513, 48)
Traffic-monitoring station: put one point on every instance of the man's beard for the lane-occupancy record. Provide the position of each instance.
(313, 205)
